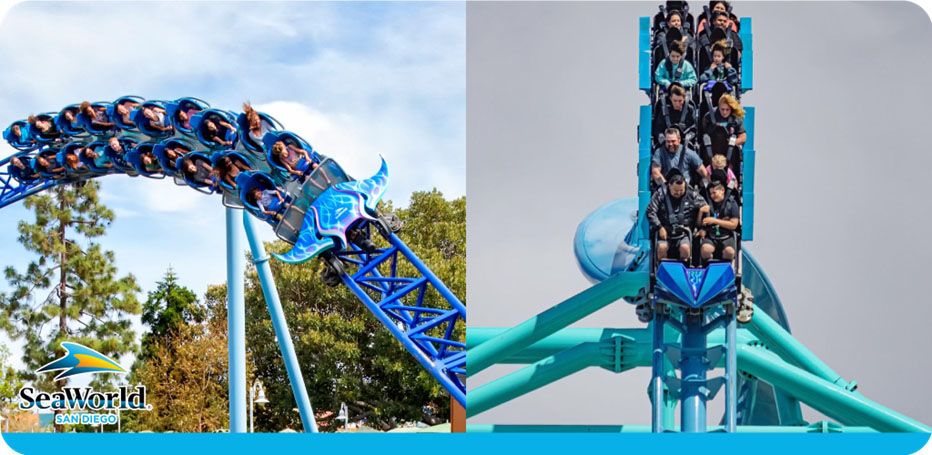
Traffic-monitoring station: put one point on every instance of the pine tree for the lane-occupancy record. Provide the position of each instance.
(72, 291)
(168, 307)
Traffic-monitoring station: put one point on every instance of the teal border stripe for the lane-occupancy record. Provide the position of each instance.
(486, 444)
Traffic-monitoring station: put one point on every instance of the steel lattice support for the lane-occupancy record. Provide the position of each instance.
(395, 285)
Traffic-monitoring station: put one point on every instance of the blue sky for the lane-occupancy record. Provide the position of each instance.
(354, 79)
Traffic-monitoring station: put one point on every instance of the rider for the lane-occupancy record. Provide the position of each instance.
(674, 112)
(719, 69)
(270, 202)
(672, 211)
(675, 68)
(675, 155)
(719, 221)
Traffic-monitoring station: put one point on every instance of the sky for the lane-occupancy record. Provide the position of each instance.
(842, 206)
(356, 80)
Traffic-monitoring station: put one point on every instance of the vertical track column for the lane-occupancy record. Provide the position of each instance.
(731, 373)
(261, 259)
(693, 375)
(656, 381)
(236, 321)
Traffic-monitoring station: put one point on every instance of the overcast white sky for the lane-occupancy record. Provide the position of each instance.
(355, 79)
(842, 209)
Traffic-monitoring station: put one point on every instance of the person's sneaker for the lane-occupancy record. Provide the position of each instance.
(645, 312)
(745, 306)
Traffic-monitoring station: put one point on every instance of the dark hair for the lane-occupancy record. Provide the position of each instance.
(674, 13)
(676, 179)
(677, 46)
(677, 90)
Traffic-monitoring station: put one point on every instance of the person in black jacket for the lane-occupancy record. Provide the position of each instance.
(719, 222)
(673, 210)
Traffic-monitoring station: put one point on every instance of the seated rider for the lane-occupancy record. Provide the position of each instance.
(720, 163)
(98, 115)
(93, 156)
(719, 69)
(256, 129)
(71, 160)
(26, 173)
(719, 221)
(674, 155)
(290, 158)
(673, 210)
(212, 132)
(158, 118)
(270, 202)
(123, 110)
(675, 68)
(227, 169)
(200, 173)
(675, 112)
(173, 153)
(149, 162)
(45, 127)
(47, 165)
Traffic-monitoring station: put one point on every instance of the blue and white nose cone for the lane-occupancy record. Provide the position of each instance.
(600, 243)
(679, 285)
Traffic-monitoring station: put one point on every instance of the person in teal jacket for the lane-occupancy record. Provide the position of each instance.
(675, 68)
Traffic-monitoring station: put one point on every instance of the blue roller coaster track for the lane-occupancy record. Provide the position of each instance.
(325, 212)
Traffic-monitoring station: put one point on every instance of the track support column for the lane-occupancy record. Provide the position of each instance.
(261, 259)
(236, 321)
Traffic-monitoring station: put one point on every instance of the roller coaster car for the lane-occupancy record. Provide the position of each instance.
(119, 158)
(199, 125)
(50, 155)
(186, 107)
(72, 149)
(88, 125)
(161, 152)
(44, 138)
(203, 186)
(24, 142)
(129, 102)
(144, 124)
(64, 125)
(99, 164)
(247, 181)
(660, 19)
(134, 157)
(269, 124)
(288, 138)
(25, 176)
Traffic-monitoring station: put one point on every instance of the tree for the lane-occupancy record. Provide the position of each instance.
(168, 307)
(185, 370)
(10, 383)
(346, 355)
(73, 287)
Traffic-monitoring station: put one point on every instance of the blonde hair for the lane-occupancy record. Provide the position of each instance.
(719, 161)
(736, 108)
(721, 45)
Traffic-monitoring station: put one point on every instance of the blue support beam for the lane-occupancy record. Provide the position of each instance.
(261, 260)
(399, 301)
(644, 75)
(236, 321)
(644, 155)
(749, 163)
(747, 55)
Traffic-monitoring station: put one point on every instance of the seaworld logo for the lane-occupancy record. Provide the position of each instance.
(79, 360)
